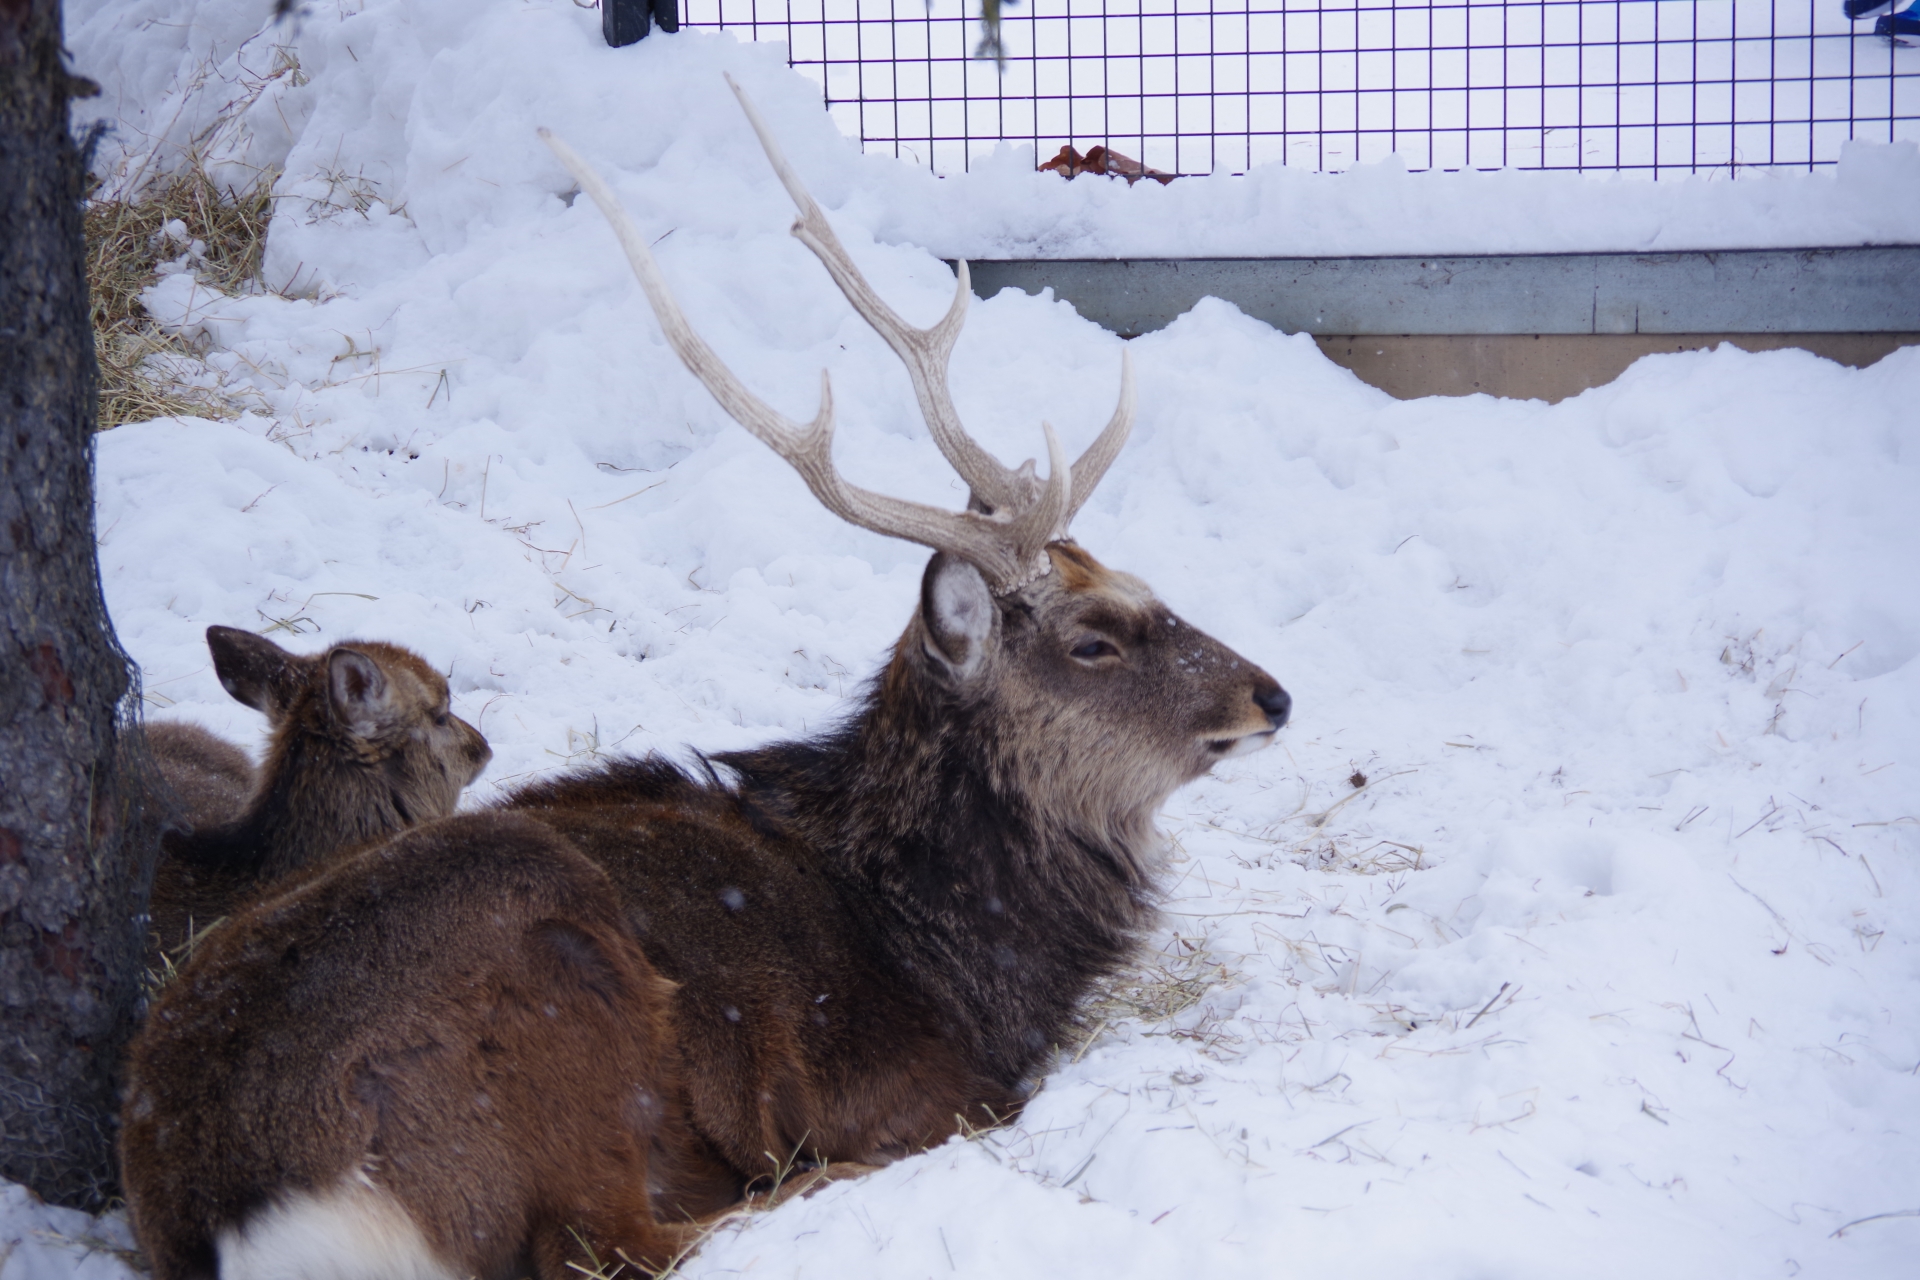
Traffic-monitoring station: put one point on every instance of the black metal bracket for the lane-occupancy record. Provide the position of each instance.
(625, 22)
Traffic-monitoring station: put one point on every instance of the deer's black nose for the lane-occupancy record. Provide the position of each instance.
(1276, 702)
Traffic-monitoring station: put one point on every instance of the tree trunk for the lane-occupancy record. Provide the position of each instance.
(76, 850)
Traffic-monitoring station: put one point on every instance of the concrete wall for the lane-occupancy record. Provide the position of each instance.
(1553, 366)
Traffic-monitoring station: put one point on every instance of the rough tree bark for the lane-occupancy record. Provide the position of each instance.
(75, 847)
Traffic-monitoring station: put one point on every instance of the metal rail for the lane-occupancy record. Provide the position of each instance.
(1755, 291)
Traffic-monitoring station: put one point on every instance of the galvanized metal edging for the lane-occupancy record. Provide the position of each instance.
(1823, 290)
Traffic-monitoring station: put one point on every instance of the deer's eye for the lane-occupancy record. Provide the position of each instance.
(1088, 650)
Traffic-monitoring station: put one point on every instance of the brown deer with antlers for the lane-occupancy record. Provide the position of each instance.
(363, 746)
(562, 1032)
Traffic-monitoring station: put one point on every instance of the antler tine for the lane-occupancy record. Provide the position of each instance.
(1093, 464)
(1047, 518)
(1007, 551)
(925, 352)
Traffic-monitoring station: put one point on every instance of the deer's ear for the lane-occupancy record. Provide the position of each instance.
(958, 613)
(255, 670)
(358, 692)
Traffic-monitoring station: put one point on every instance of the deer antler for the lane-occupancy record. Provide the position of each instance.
(926, 353)
(1012, 515)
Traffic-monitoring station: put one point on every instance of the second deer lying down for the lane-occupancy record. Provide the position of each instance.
(563, 1031)
(363, 746)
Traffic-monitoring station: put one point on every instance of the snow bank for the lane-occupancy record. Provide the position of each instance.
(41, 1242)
(1571, 930)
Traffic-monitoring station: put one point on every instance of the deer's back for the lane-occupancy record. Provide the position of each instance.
(211, 779)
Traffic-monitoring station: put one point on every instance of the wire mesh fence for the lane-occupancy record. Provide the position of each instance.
(1202, 86)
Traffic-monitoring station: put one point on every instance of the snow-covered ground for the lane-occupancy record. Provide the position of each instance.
(1611, 966)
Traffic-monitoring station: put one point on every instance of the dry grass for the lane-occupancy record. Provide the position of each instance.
(145, 372)
(1157, 988)
(1160, 988)
(621, 1267)
(168, 963)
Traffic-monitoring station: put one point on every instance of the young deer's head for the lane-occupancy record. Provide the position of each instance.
(363, 743)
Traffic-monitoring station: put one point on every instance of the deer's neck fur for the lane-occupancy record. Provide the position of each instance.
(319, 792)
(997, 902)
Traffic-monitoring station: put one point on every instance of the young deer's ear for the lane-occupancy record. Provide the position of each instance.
(357, 692)
(255, 670)
(958, 612)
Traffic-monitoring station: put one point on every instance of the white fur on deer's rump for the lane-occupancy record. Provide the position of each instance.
(353, 1231)
(1630, 679)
